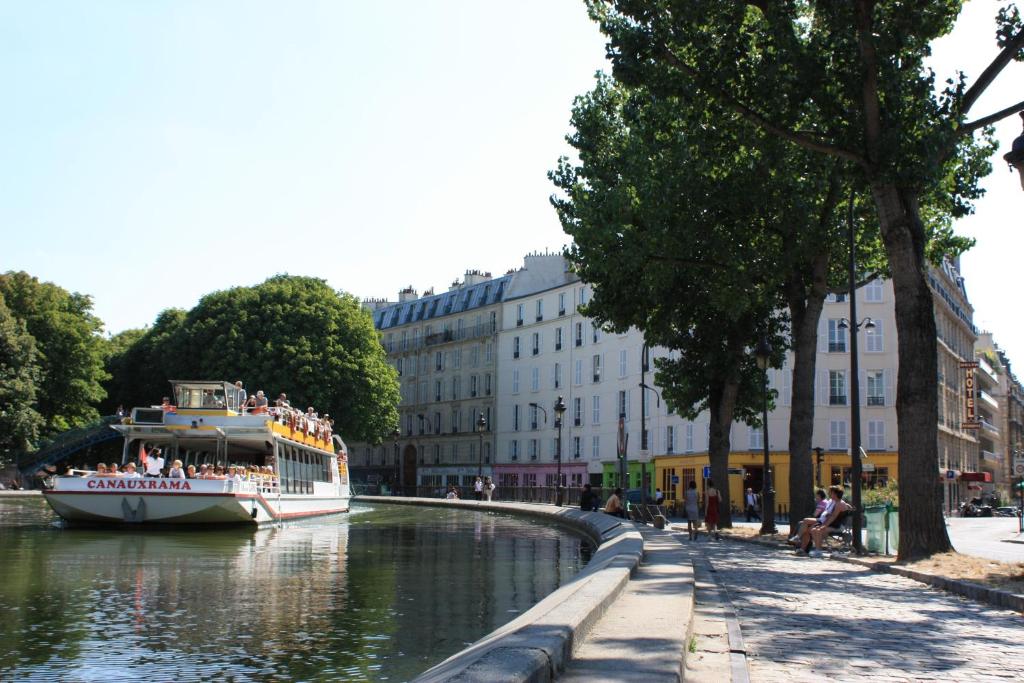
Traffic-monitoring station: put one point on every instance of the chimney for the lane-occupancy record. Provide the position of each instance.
(475, 277)
(407, 294)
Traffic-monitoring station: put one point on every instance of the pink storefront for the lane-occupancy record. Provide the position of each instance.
(518, 476)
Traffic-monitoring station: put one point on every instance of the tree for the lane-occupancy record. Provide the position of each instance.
(289, 334)
(19, 378)
(845, 80)
(69, 346)
(675, 247)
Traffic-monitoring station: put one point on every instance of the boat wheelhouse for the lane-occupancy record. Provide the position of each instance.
(293, 464)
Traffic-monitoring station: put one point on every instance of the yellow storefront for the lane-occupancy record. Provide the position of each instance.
(674, 472)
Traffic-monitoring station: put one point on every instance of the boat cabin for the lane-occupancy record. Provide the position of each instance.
(206, 396)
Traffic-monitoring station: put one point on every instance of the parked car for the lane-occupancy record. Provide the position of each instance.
(1007, 512)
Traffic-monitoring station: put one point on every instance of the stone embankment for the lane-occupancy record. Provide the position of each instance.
(586, 628)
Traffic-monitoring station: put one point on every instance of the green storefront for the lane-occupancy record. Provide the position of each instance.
(610, 476)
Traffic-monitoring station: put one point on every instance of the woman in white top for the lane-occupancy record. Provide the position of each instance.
(691, 500)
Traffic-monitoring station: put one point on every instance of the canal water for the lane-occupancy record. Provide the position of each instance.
(381, 594)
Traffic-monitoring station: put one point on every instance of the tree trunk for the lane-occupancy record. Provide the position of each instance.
(722, 405)
(922, 528)
(805, 306)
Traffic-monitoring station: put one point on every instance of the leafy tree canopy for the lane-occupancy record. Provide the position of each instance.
(19, 380)
(289, 334)
(69, 346)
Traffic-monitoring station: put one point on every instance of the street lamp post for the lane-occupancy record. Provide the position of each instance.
(559, 412)
(854, 326)
(763, 354)
(394, 435)
(644, 446)
(481, 425)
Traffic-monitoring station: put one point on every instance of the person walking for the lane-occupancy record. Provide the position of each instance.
(488, 489)
(712, 498)
(478, 488)
(752, 505)
(691, 500)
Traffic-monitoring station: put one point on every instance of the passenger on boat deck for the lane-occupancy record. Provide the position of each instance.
(250, 405)
(233, 475)
(113, 470)
(101, 469)
(311, 414)
(219, 473)
(130, 473)
(166, 406)
(155, 463)
(261, 402)
(282, 401)
(176, 471)
(241, 392)
(202, 471)
(190, 472)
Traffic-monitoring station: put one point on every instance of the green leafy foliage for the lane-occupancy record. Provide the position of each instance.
(289, 334)
(19, 380)
(69, 346)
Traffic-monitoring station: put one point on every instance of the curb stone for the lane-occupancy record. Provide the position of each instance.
(974, 591)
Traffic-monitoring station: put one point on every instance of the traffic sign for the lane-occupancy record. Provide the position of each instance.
(1018, 466)
(675, 478)
(950, 474)
(707, 471)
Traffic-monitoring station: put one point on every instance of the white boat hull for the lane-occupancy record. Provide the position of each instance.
(165, 501)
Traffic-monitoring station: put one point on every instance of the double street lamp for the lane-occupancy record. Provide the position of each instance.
(763, 355)
(559, 411)
(394, 435)
(1015, 157)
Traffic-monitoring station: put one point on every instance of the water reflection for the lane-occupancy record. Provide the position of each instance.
(381, 594)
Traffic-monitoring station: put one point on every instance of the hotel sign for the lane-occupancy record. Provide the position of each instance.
(970, 409)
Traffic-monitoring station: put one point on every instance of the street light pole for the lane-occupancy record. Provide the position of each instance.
(395, 434)
(481, 425)
(855, 463)
(559, 412)
(1015, 157)
(763, 354)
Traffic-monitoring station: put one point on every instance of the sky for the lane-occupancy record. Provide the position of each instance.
(153, 152)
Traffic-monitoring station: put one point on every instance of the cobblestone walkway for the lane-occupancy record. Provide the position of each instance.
(813, 620)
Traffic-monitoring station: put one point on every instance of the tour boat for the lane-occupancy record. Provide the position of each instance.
(303, 466)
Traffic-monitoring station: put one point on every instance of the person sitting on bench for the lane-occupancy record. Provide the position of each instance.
(808, 522)
(832, 523)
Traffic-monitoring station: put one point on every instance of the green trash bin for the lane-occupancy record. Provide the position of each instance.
(892, 517)
(874, 515)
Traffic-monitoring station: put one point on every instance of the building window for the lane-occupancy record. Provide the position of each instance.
(561, 303)
(837, 387)
(473, 386)
(645, 359)
(596, 412)
(875, 338)
(556, 376)
(577, 447)
(533, 417)
(836, 337)
(595, 448)
(513, 450)
(515, 347)
(488, 352)
(597, 332)
(439, 361)
(583, 296)
(536, 343)
(876, 388)
(457, 359)
(515, 418)
(756, 439)
(837, 435)
(876, 435)
(487, 384)
(622, 363)
(578, 372)
(688, 446)
(579, 334)
(533, 449)
(519, 315)
(670, 439)
(624, 404)
(474, 356)
(456, 388)
(597, 367)
(438, 390)
(558, 339)
(534, 379)
(873, 292)
(437, 423)
(515, 381)
(577, 411)
(540, 309)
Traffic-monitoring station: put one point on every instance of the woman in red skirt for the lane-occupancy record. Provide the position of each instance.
(711, 508)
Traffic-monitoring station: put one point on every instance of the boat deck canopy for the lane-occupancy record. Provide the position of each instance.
(190, 395)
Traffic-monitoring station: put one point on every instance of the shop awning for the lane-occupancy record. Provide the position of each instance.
(976, 476)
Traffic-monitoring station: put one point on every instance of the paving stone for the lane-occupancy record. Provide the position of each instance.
(817, 619)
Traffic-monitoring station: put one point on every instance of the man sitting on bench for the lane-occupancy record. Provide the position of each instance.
(828, 522)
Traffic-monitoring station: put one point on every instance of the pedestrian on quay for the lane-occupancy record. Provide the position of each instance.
(659, 497)
(614, 504)
(711, 498)
(752, 505)
(588, 499)
(691, 501)
(478, 489)
(488, 489)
